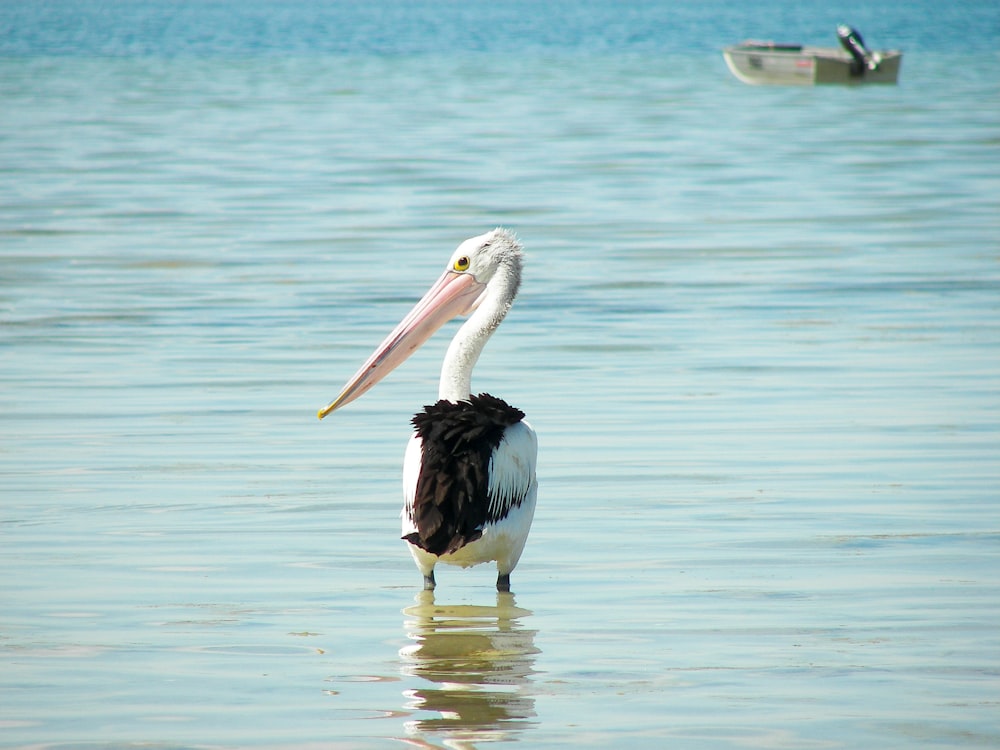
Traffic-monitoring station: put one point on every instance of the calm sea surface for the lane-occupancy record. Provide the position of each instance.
(759, 338)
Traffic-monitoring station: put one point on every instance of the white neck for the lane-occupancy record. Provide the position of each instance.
(465, 348)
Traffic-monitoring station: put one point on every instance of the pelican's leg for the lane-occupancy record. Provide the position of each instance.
(429, 582)
(503, 582)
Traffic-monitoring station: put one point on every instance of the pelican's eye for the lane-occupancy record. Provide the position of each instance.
(462, 264)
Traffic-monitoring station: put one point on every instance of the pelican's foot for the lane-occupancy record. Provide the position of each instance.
(429, 582)
(503, 582)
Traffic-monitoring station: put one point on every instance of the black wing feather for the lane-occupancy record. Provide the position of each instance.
(451, 504)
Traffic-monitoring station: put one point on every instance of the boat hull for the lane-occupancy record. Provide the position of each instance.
(806, 66)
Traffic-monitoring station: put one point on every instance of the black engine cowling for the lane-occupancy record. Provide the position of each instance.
(862, 60)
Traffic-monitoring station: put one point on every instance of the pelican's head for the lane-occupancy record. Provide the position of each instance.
(490, 254)
(481, 268)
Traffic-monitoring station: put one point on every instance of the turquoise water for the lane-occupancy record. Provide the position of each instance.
(759, 339)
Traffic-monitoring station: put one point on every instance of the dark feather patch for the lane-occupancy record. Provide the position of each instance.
(451, 504)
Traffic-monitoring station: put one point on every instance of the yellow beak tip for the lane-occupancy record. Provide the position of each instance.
(325, 411)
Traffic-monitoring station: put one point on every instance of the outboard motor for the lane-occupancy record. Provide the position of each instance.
(863, 60)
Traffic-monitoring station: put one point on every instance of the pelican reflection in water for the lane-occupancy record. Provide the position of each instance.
(477, 661)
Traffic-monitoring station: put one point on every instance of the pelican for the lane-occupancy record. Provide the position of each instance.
(469, 483)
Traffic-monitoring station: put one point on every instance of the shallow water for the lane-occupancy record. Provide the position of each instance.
(759, 338)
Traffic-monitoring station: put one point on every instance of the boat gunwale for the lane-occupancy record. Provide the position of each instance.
(783, 51)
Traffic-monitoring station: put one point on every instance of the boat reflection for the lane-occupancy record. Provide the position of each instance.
(478, 661)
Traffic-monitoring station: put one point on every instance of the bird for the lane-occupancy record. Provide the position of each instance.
(469, 469)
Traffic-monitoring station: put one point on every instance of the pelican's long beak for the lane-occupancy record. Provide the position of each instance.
(453, 294)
